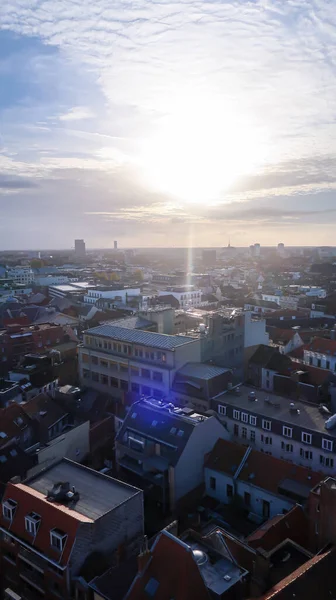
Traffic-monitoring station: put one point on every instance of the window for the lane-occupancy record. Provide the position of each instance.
(287, 431)
(145, 373)
(154, 423)
(157, 376)
(327, 444)
(173, 430)
(8, 509)
(244, 417)
(221, 409)
(104, 379)
(57, 539)
(229, 490)
(306, 438)
(136, 388)
(252, 435)
(247, 498)
(266, 425)
(94, 360)
(306, 454)
(124, 385)
(244, 433)
(326, 461)
(157, 394)
(134, 371)
(32, 523)
(236, 429)
(287, 447)
(180, 433)
(236, 414)
(328, 364)
(114, 382)
(319, 362)
(253, 420)
(265, 439)
(95, 376)
(146, 390)
(212, 483)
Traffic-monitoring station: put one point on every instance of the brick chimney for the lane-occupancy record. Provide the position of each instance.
(144, 556)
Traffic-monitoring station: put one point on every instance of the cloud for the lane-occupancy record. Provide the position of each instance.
(87, 84)
(77, 113)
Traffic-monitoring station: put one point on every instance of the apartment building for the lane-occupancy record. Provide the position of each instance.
(54, 521)
(265, 486)
(108, 293)
(118, 360)
(164, 446)
(302, 433)
(21, 275)
(187, 295)
(321, 352)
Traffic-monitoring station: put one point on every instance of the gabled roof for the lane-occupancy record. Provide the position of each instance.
(292, 525)
(13, 420)
(136, 336)
(14, 462)
(44, 410)
(259, 469)
(322, 346)
(262, 355)
(314, 580)
(172, 571)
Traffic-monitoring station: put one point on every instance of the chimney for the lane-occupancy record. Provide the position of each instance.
(144, 556)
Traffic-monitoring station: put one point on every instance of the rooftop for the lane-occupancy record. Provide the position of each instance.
(132, 323)
(202, 370)
(136, 336)
(98, 493)
(304, 415)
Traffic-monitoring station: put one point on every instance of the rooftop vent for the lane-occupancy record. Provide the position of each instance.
(63, 493)
(252, 396)
(200, 557)
(331, 422)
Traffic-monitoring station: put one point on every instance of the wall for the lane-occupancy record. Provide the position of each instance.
(189, 471)
(277, 503)
(123, 525)
(326, 360)
(254, 331)
(74, 444)
(267, 379)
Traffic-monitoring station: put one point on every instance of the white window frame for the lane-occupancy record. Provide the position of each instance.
(253, 420)
(221, 410)
(244, 417)
(266, 425)
(8, 509)
(236, 414)
(61, 539)
(327, 445)
(32, 523)
(308, 437)
(287, 431)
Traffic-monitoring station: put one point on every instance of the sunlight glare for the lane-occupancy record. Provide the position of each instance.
(200, 149)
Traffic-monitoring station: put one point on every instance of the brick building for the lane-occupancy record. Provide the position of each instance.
(55, 522)
(16, 341)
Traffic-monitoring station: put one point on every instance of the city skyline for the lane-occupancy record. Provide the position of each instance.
(150, 125)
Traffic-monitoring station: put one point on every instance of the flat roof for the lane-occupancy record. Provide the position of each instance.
(278, 408)
(202, 370)
(136, 336)
(98, 493)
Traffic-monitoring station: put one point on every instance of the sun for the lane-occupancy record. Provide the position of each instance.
(200, 149)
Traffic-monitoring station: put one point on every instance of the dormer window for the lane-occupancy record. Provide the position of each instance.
(8, 509)
(32, 523)
(57, 539)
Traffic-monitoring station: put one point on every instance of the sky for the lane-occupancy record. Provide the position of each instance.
(167, 124)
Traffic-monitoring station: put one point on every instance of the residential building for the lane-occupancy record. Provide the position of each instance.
(264, 364)
(118, 360)
(36, 374)
(54, 521)
(286, 340)
(261, 306)
(300, 432)
(17, 341)
(265, 486)
(187, 295)
(110, 293)
(9, 392)
(321, 352)
(72, 290)
(196, 384)
(14, 462)
(21, 275)
(80, 250)
(164, 446)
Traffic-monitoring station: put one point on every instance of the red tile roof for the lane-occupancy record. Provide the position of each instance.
(314, 580)
(260, 469)
(281, 336)
(225, 456)
(322, 346)
(52, 516)
(292, 525)
(172, 565)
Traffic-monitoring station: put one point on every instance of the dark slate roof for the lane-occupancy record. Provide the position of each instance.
(201, 370)
(133, 323)
(146, 338)
(146, 419)
(262, 355)
(115, 583)
(14, 462)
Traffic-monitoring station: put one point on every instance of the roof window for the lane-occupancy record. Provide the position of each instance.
(57, 539)
(151, 587)
(9, 508)
(32, 523)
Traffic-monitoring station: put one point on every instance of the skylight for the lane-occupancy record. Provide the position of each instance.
(152, 587)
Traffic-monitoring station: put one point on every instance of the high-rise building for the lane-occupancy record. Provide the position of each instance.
(79, 248)
(281, 249)
(115, 244)
(255, 250)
